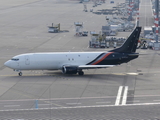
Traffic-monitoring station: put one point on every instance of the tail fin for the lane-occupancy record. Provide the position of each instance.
(130, 45)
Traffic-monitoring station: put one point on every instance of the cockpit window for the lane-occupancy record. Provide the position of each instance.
(15, 59)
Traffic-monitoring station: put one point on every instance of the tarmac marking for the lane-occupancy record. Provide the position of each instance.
(11, 105)
(156, 100)
(103, 102)
(73, 103)
(151, 7)
(7, 75)
(51, 99)
(28, 75)
(132, 73)
(122, 95)
(43, 74)
(136, 101)
(119, 95)
(125, 95)
(43, 104)
(95, 106)
(50, 102)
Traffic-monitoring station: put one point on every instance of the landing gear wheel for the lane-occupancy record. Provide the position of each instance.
(81, 73)
(20, 73)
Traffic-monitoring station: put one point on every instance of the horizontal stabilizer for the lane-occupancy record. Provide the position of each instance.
(137, 54)
(134, 54)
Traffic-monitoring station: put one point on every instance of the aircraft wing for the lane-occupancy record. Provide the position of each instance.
(94, 66)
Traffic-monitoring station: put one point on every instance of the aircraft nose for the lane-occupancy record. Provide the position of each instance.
(7, 63)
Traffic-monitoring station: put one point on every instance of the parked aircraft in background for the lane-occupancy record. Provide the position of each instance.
(75, 62)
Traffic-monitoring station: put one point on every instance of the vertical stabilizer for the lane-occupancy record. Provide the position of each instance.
(130, 45)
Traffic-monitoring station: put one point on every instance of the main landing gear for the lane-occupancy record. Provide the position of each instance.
(20, 73)
(80, 73)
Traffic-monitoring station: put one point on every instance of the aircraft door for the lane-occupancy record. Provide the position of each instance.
(27, 61)
(18, 63)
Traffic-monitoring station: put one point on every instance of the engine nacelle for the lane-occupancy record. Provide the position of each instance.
(69, 69)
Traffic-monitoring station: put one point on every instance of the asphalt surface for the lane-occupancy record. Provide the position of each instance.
(146, 13)
(128, 91)
(136, 112)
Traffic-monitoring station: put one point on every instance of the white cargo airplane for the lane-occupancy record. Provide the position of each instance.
(75, 62)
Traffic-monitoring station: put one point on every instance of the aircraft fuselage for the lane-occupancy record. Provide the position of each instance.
(55, 61)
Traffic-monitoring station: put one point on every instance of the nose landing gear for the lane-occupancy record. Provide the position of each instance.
(20, 73)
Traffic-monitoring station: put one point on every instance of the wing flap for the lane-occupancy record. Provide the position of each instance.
(94, 66)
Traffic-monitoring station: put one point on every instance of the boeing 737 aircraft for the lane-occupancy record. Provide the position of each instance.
(75, 62)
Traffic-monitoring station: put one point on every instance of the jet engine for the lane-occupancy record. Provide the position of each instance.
(69, 69)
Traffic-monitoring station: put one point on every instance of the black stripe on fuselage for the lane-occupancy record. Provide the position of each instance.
(113, 59)
(117, 59)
